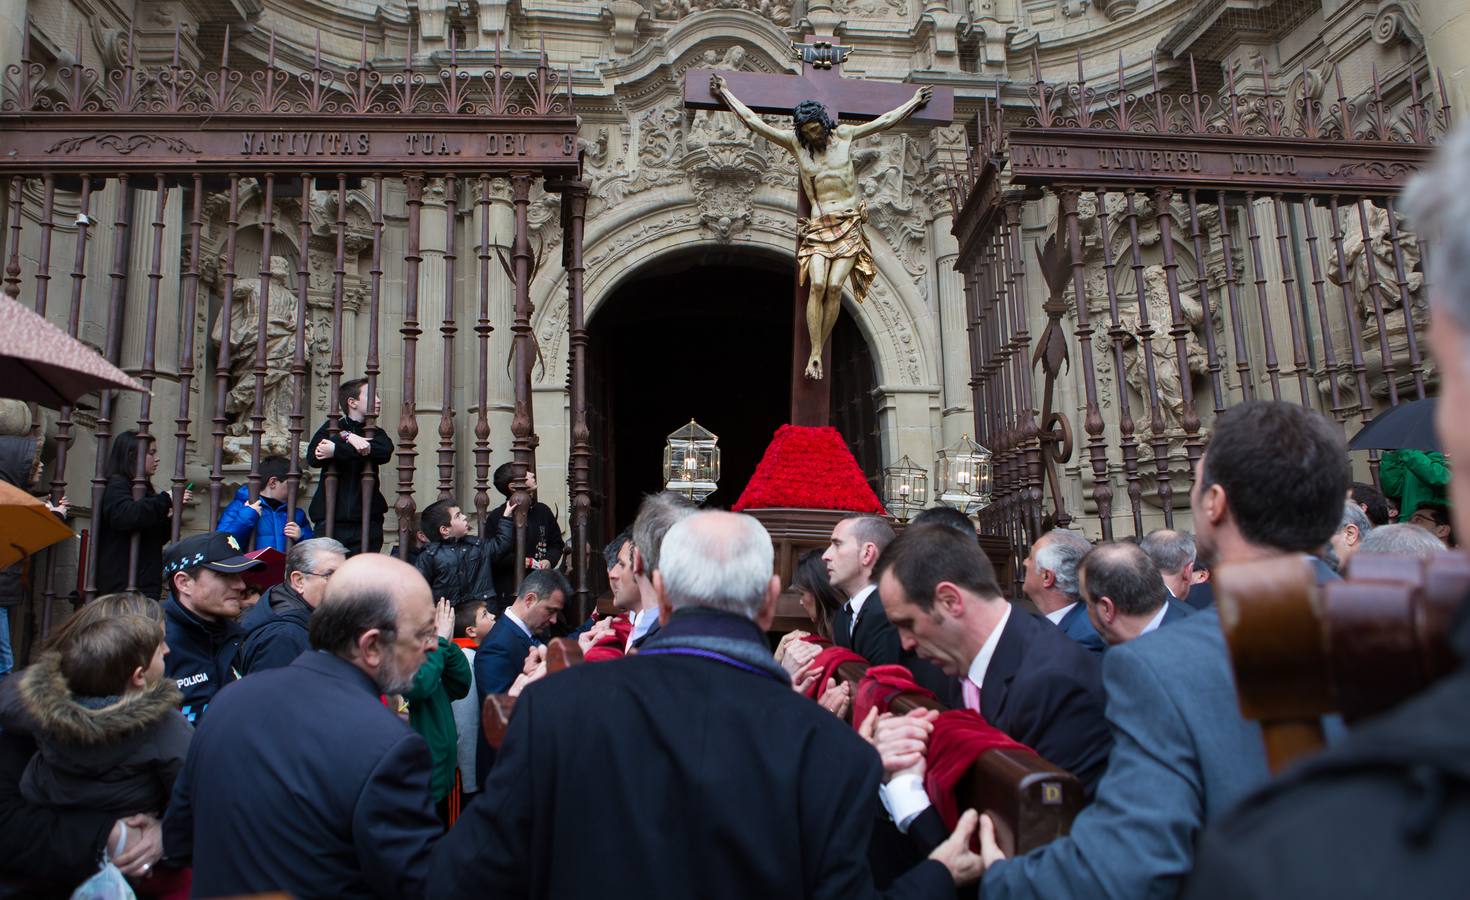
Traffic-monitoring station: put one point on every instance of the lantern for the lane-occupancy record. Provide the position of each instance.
(692, 462)
(963, 473)
(905, 488)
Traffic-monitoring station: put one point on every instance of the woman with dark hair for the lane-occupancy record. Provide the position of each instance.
(818, 597)
(121, 517)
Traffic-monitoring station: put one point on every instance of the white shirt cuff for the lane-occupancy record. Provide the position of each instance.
(904, 797)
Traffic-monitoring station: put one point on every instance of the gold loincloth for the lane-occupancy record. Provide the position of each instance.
(838, 236)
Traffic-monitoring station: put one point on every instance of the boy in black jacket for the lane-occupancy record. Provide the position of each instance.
(349, 454)
(456, 564)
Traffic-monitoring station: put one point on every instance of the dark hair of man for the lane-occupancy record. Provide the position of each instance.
(344, 617)
(122, 459)
(193, 572)
(1123, 573)
(349, 391)
(465, 615)
(504, 475)
(543, 583)
(1284, 469)
(947, 516)
(615, 546)
(926, 555)
(873, 530)
(277, 467)
(1441, 516)
(1372, 501)
(811, 576)
(811, 111)
(656, 515)
(435, 516)
(98, 661)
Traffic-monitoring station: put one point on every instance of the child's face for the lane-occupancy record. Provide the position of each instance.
(275, 489)
(484, 621)
(530, 482)
(459, 522)
(155, 668)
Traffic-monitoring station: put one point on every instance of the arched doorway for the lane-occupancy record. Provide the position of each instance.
(706, 335)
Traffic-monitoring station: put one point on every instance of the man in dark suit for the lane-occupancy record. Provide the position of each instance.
(301, 781)
(1051, 584)
(1124, 596)
(1021, 673)
(1172, 553)
(741, 787)
(501, 656)
(1270, 484)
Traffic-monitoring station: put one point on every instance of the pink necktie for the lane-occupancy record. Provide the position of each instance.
(971, 692)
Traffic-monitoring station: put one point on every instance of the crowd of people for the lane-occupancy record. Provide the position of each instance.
(325, 739)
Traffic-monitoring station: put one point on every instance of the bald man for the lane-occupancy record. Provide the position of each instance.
(304, 782)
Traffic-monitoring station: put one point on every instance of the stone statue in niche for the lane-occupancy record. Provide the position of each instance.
(1166, 361)
(1373, 278)
(241, 331)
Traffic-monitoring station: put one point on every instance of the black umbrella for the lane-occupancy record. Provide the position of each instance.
(1408, 426)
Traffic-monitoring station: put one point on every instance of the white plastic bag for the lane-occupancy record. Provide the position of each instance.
(108, 883)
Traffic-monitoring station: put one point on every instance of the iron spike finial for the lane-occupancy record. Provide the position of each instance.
(224, 54)
(1193, 77)
(362, 52)
(317, 59)
(176, 45)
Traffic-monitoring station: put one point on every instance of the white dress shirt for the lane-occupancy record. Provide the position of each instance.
(904, 797)
(855, 606)
(1057, 615)
(641, 623)
(510, 614)
(1156, 621)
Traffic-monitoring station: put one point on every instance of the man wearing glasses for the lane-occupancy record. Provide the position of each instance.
(276, 625)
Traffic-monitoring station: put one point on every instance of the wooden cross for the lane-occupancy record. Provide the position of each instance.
(845, 98)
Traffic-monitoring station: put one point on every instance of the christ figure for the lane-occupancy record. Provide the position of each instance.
(832, 244)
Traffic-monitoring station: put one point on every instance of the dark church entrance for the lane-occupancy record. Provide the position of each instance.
(708, 336)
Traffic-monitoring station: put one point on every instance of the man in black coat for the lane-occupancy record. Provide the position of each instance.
(739, 786)
(1024, 675)
(301, 781)
(501, 656)
(860, 624)
(203, 573)
(276, 627)
(544, 544)
(348, 455)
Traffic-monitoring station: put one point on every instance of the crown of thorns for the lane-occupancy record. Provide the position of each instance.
(811, 111)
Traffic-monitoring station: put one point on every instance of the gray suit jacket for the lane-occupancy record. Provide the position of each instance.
(1182, 756)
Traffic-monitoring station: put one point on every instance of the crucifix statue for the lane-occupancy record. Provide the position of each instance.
(832, 247)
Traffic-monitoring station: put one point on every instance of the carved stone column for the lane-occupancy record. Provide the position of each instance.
(1446, 27)
(953, 348)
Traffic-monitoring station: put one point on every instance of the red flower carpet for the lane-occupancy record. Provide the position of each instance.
(809, 468)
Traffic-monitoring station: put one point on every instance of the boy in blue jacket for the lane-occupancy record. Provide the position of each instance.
(266, 517)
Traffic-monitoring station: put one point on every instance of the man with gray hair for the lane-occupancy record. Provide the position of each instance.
(1172, 553)
(1350, 534)
(1051, 584)
(656, 515)
(277, 626)
(301, 782)
(1401, 538)
(744, 788)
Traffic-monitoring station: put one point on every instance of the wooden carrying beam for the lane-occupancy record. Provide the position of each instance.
(1031, 801)
(1354, 648)
(561, 653)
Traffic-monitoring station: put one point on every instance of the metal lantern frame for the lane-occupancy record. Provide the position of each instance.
(905, 488)
(963, 476)
(692, 461)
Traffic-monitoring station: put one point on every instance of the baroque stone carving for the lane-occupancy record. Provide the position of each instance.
(241, 331)
(778, 11)
(1167, 377)
(1373, 280)
(874, 9)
